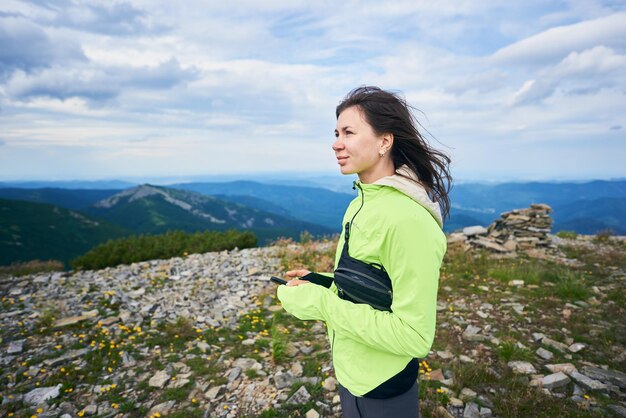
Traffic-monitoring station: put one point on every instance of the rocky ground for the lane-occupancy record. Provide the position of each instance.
(203, 336)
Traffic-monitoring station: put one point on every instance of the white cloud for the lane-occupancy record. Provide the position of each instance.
(556, 43)
(590, 70)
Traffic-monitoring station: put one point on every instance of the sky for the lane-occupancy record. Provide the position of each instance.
(532, 90)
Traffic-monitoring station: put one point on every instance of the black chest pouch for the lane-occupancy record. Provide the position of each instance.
(361, 282)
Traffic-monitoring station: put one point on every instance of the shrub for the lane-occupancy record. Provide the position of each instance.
(604, 235)
(567, 234)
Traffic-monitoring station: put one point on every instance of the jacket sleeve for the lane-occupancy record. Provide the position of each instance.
(412, 256)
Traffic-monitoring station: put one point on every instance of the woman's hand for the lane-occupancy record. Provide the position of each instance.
(293, 274)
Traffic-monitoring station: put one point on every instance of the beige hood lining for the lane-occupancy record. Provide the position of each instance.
(413, 189)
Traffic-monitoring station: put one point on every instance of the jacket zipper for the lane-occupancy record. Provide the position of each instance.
(379, 307)
(369, 286)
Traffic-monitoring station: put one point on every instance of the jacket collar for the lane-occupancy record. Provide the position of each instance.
(412, 188)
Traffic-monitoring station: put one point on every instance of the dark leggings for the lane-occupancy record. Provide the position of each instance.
(401, 406)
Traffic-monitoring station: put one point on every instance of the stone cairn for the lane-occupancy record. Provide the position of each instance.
(517, 230)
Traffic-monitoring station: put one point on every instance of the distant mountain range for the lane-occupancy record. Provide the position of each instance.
(84, 217)
(316, 205)
(155, 209)
(30, 231)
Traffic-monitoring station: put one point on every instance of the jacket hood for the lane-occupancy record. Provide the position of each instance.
(413, 189)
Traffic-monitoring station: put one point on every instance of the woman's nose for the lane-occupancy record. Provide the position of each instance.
(337, 145)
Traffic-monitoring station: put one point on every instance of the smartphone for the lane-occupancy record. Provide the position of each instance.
(278, 280)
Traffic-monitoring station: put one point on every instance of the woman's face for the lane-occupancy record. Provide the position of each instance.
(357, 146)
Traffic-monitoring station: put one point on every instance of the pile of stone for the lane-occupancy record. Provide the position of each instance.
(524, 230)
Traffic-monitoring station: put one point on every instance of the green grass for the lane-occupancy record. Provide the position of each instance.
(177, 394)
(509, 351)
(472, 375)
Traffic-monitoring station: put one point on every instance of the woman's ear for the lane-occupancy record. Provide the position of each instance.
(387, 141)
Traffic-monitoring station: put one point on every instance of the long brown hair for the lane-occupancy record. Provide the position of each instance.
(387, 112)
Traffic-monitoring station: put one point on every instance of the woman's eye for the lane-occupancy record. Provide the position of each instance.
(348, 133)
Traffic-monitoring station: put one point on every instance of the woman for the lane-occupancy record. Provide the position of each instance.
(380, 310)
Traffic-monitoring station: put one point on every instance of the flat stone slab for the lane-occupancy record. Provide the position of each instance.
(69, 356)
(576, 347)
(544, 354)
(522, 367)
(554, 344)
(70, 320)
(471, 410)
(300, 397)
(561, 367)
(618, 410)
(555, 380)
(471, 334)
(608, 376)
(159, 379)
(469, 231)
(247, 363)
(41, 395)
(15, 347)
(490, 245)
(587, 382)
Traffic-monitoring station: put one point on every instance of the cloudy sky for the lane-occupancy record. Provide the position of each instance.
(99, 89)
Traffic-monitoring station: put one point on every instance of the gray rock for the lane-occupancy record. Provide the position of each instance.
(15, 347)
(522, 367)
(215, 392)
(91, 409)
(178, 383)
(490, 245)
(162, 408)
(554, 344)
(283, 380)
(470, 231)
(471, 334)
(618, 410)
(467, 394)
(312, 413)
(72, 320)
(485, 413)
(556, 380)
(607, 376)
(456, 402)
(561, 367)
(544, 354)
(247, 363)
(69, 356)
(301, 396)
(537, 336)
(330, 384)
(465, 359)
(471, 410)
(576, 347)
(128, 360)
(587, 382)
(40, 395)
(204, 347)
(159, 379)
(296, 369)
(445, 355)
(233, 374)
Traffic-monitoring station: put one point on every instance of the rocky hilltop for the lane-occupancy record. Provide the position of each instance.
(203, 336)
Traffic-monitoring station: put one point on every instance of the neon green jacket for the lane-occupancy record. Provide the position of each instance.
(400, 228)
